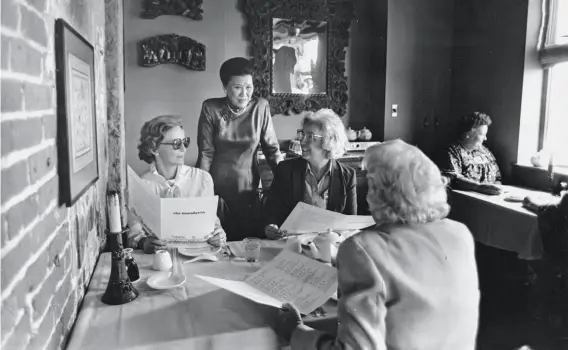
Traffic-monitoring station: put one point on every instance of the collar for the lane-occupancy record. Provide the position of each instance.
(327, 172)
(171, 182)
(227, 114)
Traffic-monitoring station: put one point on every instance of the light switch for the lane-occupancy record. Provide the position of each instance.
(394, 111)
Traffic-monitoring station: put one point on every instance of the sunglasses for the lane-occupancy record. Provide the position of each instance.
(308, 136)
(176, 144)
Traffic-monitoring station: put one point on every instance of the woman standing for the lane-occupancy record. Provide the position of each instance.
(230, 131)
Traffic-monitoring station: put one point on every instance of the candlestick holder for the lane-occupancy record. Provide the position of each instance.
(119, 289)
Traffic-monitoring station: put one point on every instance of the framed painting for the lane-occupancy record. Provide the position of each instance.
(78, 166)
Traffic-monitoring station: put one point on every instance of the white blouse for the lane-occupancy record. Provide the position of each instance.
(188, 182)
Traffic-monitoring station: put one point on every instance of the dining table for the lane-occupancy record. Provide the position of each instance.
(501, 221)
(195, 315)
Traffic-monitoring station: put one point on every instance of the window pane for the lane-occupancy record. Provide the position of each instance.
(560, 33)
(556, 138)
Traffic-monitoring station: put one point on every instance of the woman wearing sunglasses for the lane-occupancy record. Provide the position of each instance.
(316, 178)
(231, 129)
(163, 145)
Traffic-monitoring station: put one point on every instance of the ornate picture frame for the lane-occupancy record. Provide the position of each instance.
(337, 14)
(78, 163)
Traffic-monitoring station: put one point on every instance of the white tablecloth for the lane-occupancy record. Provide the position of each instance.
(197, 315)
(498, 223)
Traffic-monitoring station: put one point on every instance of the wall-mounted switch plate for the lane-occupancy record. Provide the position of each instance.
(394, 111)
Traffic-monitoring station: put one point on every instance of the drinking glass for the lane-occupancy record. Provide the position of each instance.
(252, 249)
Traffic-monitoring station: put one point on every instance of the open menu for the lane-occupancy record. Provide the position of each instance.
(176, 221)
(288, 278)
(307, 218)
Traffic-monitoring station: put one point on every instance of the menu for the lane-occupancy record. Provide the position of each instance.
(176, 221)
(288, 278)
(307, 218)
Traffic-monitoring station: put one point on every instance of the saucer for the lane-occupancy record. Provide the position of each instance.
(198, 250)
(162, 281)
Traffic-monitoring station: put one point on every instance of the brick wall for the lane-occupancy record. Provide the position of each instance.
(48, 251)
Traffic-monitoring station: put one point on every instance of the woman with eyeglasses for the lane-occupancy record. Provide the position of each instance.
(163, 145)
(316, 178)
(230, 131)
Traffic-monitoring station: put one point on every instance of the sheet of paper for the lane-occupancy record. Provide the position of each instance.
(307, 218)
(243, 289)
(297, 279)
(186, 220)
(143, 202)
(288, 278)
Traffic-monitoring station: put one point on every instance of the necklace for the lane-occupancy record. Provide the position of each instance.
(236, 112)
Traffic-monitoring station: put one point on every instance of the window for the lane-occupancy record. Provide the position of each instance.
(553, 52)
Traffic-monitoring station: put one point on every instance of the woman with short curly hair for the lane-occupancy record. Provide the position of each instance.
(163, 145)
(467, 163)
(411, 281)
(316, 178)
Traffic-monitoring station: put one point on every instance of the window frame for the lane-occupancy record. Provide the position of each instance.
(549, 55)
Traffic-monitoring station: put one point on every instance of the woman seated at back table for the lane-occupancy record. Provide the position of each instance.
(411, 281)
(163, 145)
(467, 162)
(316, 178)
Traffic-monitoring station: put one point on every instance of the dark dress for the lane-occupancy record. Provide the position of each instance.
(228, 147)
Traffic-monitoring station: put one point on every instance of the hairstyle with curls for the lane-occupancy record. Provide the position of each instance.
(332, 129)
(234, 67)
(472, 121)
(152, 133)
(405, 186)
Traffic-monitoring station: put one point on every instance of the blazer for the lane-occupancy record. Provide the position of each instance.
(288, 186)
(411, 287)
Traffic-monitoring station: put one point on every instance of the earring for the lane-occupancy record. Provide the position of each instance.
(467, 136)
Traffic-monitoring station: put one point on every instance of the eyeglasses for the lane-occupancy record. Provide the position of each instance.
(176, 144)
(307, 136)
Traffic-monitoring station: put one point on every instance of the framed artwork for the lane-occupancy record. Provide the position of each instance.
(78, 166)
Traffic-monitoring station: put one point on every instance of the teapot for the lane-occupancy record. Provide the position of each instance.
(351, 134)
(364, 134)
(324, 246)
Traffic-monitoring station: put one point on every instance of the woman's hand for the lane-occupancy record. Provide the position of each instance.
(273, 232)
(288, 319)
(489, 189)
(151, 244)
(219, 237)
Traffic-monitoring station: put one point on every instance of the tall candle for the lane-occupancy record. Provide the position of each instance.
(115, 224)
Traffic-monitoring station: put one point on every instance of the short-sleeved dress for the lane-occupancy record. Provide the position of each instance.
(228, 145)
(478, 164)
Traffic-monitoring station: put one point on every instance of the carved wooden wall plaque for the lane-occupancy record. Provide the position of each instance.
(187, 8)
(172, 48)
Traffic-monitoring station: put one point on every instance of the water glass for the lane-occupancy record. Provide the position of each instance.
(252, 249)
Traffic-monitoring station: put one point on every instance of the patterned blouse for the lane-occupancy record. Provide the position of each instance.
(479, 164)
